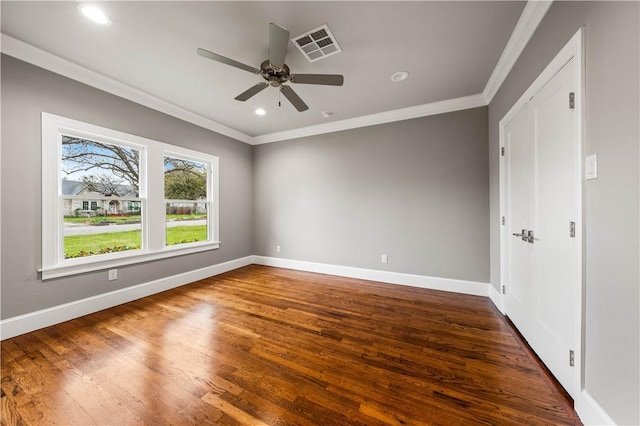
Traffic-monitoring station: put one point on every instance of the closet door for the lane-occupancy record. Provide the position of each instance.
(542, 189)
(518, 146)
(555, 191)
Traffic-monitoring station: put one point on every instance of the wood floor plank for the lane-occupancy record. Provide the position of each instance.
(262, 345)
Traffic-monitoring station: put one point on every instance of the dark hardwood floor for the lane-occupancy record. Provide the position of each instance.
(262, 345)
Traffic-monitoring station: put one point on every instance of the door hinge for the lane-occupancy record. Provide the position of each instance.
(572, 358)
(504, 289)
(502, 151)
(503, 220)
(572, 229)
(572, 100)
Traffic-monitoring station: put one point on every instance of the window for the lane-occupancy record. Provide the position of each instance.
(133, 206)
(109, 172)
(111, 199)
(186, 200)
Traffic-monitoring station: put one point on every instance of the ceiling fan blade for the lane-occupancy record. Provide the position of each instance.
(278, 43)
(326, 79)
(252, 91)
(224, 60)
(293, 98)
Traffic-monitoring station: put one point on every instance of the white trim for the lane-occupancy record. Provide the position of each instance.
(497, 298)
(529, 20)
(573, 49)
(531, 17)
(33, 55)
(0, 173)
(423, 281)
(126, 259)
(26, 323)
(424, 110)
(590, 412)
(152, 197)
(32, 321)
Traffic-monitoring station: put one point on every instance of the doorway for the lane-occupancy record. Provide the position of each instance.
(541, 204)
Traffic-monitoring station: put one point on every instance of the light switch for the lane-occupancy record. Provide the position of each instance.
(591, 167)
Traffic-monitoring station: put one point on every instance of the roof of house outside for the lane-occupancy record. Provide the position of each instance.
(72, 187)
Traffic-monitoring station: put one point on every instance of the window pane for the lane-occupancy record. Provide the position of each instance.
(99, 169)
(101, 230)
(186, 222)
(184, 180)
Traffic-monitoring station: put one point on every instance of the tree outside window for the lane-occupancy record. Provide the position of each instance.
(103, 196)
(109, 172)
(185, 192)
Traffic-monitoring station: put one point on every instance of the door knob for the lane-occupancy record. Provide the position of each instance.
(524, 235)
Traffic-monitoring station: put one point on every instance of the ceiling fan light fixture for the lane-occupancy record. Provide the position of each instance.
(94, 13)
(399, 76)
(260, 111)
(275, 71)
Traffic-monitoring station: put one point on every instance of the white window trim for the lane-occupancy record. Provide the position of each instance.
(151, 197)
(209, 201)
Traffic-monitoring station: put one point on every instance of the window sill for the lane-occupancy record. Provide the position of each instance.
(67, 270)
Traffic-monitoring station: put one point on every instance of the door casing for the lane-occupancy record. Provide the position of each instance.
(573, 49)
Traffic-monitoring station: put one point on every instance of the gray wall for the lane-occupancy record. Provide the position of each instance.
(26, 92)
(415, 190)
(612, 324)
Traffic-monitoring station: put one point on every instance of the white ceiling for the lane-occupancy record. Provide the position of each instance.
(449, 48)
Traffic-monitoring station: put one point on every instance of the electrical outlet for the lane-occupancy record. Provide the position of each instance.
(277, 249)
(384, 258)
(113, 274)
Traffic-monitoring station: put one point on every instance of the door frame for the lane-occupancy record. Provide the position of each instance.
(574, 49)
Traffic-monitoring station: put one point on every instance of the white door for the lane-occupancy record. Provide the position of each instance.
(518, 148)
(542, 193)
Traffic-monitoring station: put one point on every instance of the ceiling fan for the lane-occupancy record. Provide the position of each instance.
(275, 71)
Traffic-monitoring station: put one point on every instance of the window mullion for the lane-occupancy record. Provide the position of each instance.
(213, 198)
(155, 200)
(62, 197)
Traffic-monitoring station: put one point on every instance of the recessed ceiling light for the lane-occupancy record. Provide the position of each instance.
(399, 76)
(260, 111)
(327, 114)
(94, 13)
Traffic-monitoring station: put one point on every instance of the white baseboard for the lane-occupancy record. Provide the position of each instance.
(590, 412)
(496, 298)
(32, 321)
(446, 284)
(26, 323)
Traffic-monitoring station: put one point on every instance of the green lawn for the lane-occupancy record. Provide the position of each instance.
(186, 234)
(87, 245)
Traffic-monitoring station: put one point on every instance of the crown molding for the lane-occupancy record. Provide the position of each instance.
(529, 20)
(40, 58)
(424, 110)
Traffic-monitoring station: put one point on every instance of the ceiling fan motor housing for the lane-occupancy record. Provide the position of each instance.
(274, 75)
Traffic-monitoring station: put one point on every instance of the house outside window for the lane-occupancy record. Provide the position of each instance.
(186, 200)
(111, 199)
